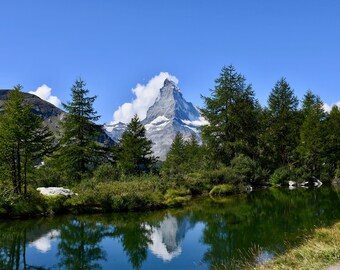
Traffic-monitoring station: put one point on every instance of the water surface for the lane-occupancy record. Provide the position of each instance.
(230, 231)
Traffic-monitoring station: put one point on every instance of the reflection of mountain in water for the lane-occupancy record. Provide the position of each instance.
(168, 236)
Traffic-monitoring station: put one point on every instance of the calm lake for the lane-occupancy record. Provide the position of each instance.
(230, 231)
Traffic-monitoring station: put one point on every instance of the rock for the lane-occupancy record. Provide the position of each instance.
(54, 191)
(302, 184)
(291, 183)
(317, 183)
(249, 188)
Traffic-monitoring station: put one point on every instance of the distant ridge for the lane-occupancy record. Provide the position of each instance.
(50, 114)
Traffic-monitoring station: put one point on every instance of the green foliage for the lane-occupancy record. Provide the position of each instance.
(177, 197)
(49, 175)
(197, 183)
(225, 189)
(174, 165)
(134, 152)
(311, 146)
(106, 173)
(282, 128)
(23, 140)
(232, 112)
(30, 204)
(332, 143)
(116, 196)
(283, 175)
(184, 157)
(80, 153)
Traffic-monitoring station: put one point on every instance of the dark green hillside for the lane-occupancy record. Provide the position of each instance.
(50, 114)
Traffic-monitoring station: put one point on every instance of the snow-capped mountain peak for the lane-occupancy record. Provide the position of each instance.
(170, 114)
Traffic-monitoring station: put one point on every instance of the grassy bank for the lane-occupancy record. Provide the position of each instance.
(133, 194)
(318, 251)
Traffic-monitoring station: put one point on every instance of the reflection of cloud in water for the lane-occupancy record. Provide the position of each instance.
(43, 244)
(167, 237)
(264, 257)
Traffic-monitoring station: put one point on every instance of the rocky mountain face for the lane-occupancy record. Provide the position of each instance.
(50, 114)
(170, 114)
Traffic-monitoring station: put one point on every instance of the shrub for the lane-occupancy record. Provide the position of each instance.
(197, 184)
(222, 175)
(106, 173)
(280, 176)
(30, 204)
(224, 189)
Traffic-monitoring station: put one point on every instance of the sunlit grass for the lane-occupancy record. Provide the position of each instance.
(320, 250)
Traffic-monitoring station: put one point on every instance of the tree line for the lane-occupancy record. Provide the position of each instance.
(244, 142)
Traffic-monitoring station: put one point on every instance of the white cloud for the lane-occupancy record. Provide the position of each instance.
(328, 108)
(44, 92)
(145, 97)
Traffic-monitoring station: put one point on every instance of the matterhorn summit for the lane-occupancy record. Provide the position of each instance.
(169, 114)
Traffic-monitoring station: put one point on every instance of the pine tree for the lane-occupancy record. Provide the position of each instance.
(332, 142)
(232, 113)
(176, 157)
(311, 145)
(23, 140)
(79, 151)
(135, 154)
(283, 133)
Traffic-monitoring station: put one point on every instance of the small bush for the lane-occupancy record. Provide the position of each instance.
(281, 176)
(224, 189)
(30, 204)
(56, 204)
(197, 184)
(106, 173)
(222, 175)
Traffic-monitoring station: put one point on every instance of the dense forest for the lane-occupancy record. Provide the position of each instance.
(245, 144)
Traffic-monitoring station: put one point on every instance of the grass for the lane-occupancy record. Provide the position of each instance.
(318, 251)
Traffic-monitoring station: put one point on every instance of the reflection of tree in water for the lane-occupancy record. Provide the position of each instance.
(13, 242)
(135, 238)
(262, 221)
(79, 245)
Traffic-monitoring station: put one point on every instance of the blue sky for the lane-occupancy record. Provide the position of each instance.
(114, 45)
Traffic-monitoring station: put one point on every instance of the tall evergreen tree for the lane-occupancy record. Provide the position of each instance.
(135, 154)
(23, 140)
(311, 144)
(176, 157)
(79, 151)
(283, 126)
(232, 112)
(332, 142)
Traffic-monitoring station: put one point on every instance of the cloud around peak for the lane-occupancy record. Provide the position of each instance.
(145, 96)
(328, 107)
(45, 93)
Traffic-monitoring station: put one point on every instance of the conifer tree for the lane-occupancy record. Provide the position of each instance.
(79, 151)
(332, 142)
(283, 125)
(23, 140)
(175, 158)
(232, 113)
(135, 154)
(311, 145)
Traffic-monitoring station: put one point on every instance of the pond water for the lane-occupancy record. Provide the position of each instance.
(230, 231)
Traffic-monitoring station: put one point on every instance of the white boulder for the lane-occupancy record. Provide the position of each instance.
(53, 191)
